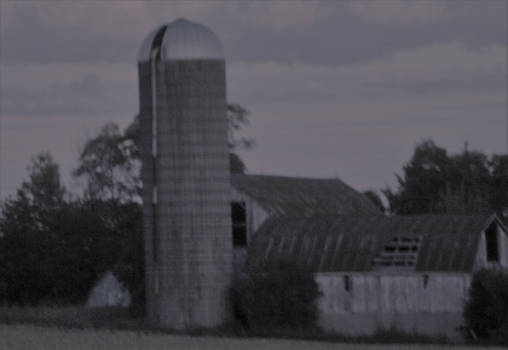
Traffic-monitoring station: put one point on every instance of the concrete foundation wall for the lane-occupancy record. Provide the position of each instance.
(425, 303)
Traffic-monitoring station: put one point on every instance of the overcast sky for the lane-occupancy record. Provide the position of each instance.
(335, 88)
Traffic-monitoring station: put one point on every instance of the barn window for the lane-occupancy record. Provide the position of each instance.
(348, 285)
(239, 224)
(492, 244)
(399, 252)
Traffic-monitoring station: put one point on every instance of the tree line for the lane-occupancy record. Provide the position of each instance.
(55, 245)
(435, 182)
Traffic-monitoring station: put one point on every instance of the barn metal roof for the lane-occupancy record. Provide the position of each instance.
(300, 196)
(329, 243)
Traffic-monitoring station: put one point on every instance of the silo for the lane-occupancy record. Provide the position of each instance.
(185, 175)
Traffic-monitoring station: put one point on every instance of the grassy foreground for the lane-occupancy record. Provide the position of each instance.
(28, 337)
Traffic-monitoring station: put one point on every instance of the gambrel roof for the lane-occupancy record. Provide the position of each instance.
(300, 196)
(329, 243)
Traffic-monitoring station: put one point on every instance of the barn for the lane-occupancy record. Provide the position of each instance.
(410, 273)
(255, 198)
(202, 225)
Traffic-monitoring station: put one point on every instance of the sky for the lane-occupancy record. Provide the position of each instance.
(334, 88)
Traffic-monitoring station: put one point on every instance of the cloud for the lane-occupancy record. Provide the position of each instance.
(278, 15)
(360, 122)
(68, 89)
(433, 69)
(314, 32)
(401, 11)
(332, 92)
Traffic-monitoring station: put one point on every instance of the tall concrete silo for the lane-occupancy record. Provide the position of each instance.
(185, 174)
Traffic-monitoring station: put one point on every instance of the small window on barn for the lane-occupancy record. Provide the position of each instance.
(399, 252)
(348, 285)
(239, 224)
(492, 244)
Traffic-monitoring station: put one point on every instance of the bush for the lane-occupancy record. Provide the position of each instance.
(275, 296)
(486, 310)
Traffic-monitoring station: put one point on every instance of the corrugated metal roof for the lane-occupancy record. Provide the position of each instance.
(300, 196)
(329, 243)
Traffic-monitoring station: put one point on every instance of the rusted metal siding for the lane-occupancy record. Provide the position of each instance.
(409, 297)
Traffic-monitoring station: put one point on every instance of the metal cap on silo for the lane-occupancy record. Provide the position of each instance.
(181, 40)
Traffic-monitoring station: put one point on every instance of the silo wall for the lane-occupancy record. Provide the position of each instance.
(187, 222)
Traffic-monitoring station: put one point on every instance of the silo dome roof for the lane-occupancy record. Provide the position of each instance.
(179, 40)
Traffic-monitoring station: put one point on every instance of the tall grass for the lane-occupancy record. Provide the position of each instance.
(115, 319)
(69, 317)
(29, 337)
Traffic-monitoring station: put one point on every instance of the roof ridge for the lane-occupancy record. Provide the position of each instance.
(290, 177)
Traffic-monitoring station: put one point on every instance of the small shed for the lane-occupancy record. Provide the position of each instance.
(108, 291)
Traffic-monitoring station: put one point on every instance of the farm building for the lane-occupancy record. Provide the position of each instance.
(108, 291)
(202, 224)
(258, 197)
(411, 273)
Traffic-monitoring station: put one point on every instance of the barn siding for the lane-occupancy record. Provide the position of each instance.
(392, 301)
(256, 215)
(502, 238)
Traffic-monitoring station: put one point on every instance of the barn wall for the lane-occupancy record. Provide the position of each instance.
(503, 246)
(256, 215)
(408, 302)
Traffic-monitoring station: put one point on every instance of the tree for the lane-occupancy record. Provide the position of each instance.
(53, 250)
(464, 183)
(110, 165)
(27, 224)
(424, 178)
(277, 295)
(238, 118)
(110, 162)
(236, 164)
(499, 183)
(486, 309)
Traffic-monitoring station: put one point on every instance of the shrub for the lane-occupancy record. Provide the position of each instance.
(275, 296)
(486, 310)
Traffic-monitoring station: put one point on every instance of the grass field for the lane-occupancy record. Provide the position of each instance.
(26, 337)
